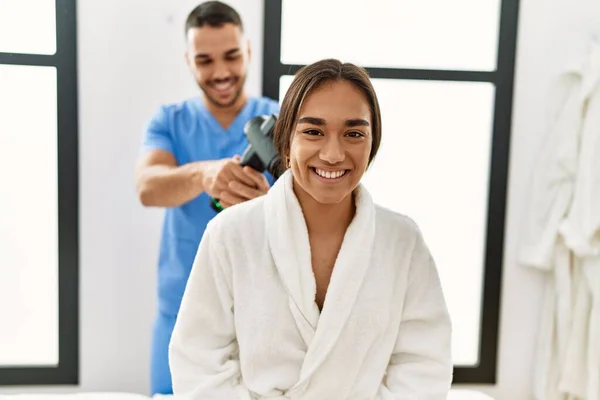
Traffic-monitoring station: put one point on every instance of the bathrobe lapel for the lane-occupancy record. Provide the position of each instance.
(290, 249)
(289, 244)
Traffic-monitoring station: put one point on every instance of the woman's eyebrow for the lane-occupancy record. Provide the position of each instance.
(311, 120)
(321, 121)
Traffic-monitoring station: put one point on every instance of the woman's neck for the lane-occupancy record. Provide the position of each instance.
(326, 218)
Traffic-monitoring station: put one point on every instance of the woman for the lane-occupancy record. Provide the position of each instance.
(312, 291)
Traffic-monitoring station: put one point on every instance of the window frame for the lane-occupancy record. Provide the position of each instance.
(65, 62)
(503, 80)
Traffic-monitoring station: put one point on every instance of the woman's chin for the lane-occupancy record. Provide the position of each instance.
(328, 198)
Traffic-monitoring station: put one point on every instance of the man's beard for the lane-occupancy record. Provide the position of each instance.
(236, 96)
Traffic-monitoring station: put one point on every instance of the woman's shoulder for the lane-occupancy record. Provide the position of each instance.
(248, 216)
(399, 231)
(394, 224)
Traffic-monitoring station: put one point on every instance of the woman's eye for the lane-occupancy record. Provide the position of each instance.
(312, 132)
(355, 134)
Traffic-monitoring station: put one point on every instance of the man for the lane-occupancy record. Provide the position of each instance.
(191, 153)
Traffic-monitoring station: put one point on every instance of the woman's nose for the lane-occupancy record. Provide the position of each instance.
(332, 151)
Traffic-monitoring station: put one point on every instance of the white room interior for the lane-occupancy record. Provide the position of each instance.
(130, 60)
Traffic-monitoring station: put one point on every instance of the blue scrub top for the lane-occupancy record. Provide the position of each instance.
(191, 133)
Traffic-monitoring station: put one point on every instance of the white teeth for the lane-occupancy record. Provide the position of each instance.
(223, 86)
(329, 174)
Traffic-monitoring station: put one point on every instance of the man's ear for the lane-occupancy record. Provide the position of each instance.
(187, 59)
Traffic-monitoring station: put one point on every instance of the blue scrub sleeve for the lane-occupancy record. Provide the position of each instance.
(158, 134)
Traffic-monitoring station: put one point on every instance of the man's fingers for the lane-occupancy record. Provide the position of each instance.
(224, 204)
(241, 190)
(226, 175)
(227, 199)
(237, 173)
(220, 184)
(259, 179)
(241, 183)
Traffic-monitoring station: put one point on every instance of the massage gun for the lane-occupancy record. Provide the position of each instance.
(260, 153)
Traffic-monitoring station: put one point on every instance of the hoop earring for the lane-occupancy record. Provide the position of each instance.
(288, 164)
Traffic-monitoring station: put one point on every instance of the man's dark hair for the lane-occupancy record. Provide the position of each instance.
(212, 13)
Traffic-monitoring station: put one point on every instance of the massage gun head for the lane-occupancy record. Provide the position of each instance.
(260, 153)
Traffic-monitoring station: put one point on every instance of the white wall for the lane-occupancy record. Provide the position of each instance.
(131, 60)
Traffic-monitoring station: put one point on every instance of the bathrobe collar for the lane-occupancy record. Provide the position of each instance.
(289, 245)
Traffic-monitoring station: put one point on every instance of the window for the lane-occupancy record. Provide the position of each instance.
(39, 208)
(443, 72)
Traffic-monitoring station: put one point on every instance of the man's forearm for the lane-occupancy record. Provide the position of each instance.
(170, 186)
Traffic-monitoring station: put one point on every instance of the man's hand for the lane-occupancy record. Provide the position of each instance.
(231, 183)
(239, 190)
(219, 173)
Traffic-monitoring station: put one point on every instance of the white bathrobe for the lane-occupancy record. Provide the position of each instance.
(581, 232)
(249, 327)
(562, 237)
